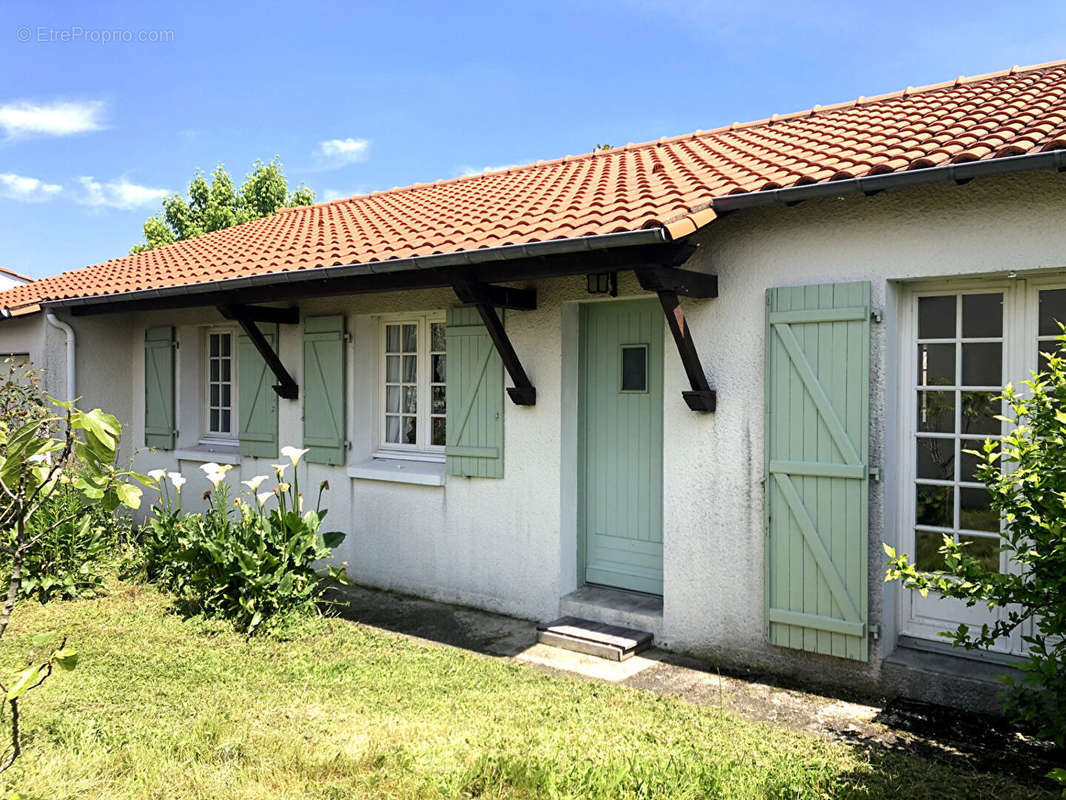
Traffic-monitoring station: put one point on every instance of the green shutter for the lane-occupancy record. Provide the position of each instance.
(474, 386)
(323, 389)
(159, 388)
(256, 398)
(817, 486)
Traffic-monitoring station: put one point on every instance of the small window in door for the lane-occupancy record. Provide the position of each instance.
(634, 368)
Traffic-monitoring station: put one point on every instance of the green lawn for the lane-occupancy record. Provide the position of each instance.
(162, 707)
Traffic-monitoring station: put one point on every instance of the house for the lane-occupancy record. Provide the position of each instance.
(9, 278)
(689, 386)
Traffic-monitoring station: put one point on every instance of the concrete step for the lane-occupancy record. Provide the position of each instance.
(611, 642)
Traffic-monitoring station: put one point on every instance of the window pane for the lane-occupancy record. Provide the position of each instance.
(214, 395)
(392, 338)
(408, 430)
(978, 413)
(934, 506)
(936, 317)
(936, 365)
(437, 333)
(213, 340)
(392, 399)
(438, 400)
(969, 464)
(634, 369)
(410, 369)
(215, 370)
(1048, 346)
(410, 399)
(224, 373)
(982, 316)
(410, 338)
(225, 395)
(984, 548)
(936, 412)
(392, 430)
(224, 422)
(226, 340)
(213, 423)
(936, 459)
(439, 431)
(982, 364)
(1052, 311)
(927, 543)
(439, 375)
(974, 511)
(392, 369)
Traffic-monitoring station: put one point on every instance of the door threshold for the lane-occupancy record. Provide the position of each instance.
(642, 612)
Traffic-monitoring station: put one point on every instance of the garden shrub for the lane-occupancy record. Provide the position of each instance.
(239, 560)
(1025, 474)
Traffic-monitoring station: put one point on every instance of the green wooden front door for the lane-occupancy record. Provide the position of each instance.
(621, 445)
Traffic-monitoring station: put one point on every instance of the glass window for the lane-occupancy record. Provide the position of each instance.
(635, 368)
(960, 372)
(415, 369)
(221, 417)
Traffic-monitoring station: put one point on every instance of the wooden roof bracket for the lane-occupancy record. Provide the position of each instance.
(486, 298)
(668, 283)
(247, 317)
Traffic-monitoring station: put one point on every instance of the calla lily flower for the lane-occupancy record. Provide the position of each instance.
(177, 479)
(210, 467)
(262, 497)
(255, 482)
(279, 470)
(294, 454)
(157, 475)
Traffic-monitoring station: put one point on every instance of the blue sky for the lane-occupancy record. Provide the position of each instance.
(355, 97)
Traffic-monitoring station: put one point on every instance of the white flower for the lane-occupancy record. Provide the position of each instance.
(219, 474)
(255, 482)
(262, 497)
(294, 454)
(279, 470)
(157, 474)
(177, 479)
(209, 468)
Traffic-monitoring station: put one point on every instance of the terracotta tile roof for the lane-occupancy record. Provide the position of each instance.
(669, 183)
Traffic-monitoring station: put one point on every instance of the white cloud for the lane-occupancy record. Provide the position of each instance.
(24, 119)
(341, 152)
(26, 189)
(466, 170)
(117, 194)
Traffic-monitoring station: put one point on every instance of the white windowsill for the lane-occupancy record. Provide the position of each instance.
(400, 470)
(206, 453)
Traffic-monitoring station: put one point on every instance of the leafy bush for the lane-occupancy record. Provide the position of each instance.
(1025, 474)
(240, 561)
(72, 557)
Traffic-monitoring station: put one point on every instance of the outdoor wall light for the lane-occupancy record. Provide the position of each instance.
(603, 283)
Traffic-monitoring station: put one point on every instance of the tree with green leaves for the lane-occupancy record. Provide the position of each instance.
(212, 206)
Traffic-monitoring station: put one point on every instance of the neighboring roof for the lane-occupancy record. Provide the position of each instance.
(10, 273)
(669, 184)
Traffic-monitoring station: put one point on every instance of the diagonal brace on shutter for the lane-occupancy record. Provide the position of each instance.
(246, 317)
(485, 298)
(668, 283)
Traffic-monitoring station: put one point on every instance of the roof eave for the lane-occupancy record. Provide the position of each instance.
(871, 184)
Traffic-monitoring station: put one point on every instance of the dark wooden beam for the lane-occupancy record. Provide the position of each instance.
(702, 397)
(269, 314)
(523, 393)
(473, 294)
(518, 269)
(679, 281)
(285, 387)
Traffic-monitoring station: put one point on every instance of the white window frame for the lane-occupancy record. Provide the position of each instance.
(1020, 337)
(421, 450)
(207, 436)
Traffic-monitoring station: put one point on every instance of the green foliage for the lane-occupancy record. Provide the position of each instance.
(1025, 474)
(75, 551)
(219, 204)
(21, 395)
(240, 561)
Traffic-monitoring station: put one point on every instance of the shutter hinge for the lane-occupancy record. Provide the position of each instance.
(874, 631)
(877, 315)
(347, 338)
(875, 474)
(347, 445)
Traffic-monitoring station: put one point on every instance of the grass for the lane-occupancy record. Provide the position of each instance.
(162, 707)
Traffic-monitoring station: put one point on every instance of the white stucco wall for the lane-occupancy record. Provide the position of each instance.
(510, 544)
